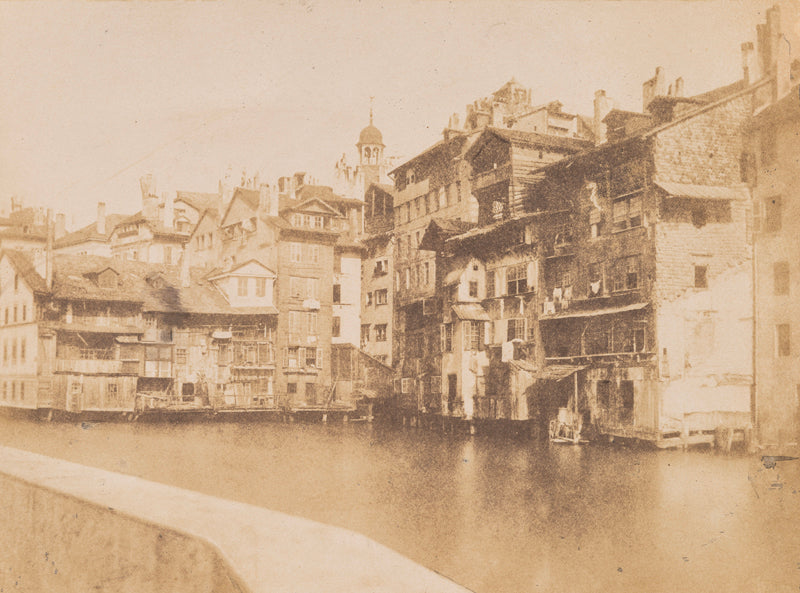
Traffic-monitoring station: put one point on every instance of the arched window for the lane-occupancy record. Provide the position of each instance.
(367, 154)
(374, 159)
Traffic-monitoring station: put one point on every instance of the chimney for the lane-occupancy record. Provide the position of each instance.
(267, 200)
(60, 230)
(653, 88)
(48, 273)
(748, 63)
(169, 209)
(601, 108)
(783, 53)
(679, 87)
(147, 183)
(101, 218)
(185, 275)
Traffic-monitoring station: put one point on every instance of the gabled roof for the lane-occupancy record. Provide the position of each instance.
(305, 206)
(198, 200)
(74, 279)
(215, 274)
(25, 268)
(89, 232)
(527, 140)
(441, 229)
(454, 146)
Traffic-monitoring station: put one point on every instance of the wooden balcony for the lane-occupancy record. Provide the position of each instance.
(89, 366)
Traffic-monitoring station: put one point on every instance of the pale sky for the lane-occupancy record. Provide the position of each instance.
(94, 95)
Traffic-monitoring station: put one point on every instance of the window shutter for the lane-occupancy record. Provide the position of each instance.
(301, 357)
(319, 358)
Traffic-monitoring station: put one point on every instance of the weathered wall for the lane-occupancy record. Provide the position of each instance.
(71, 528)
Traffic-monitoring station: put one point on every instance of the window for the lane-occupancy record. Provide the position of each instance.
(292, 354)
(781, 277)
(447, 337)
(295, 319)
(336, 332)
(167, 255)
(489, 284)
(311, 357)
(22, 349)
(516, 330)
(381, 296)
(180, 355)
(291, 388)
(473, 288)
(427, 268)
(783, 339)
(700, 276)
(596, 223)
(337, 293)
(381, 267)
(261, 287)
(595, 279)
(369, 299)
(24, 312)
(627, 213)
(365, 334)
(517, 279)
(626, 273)
(313, 254)
(16, 282)
(295, 252)
(242, 286)
(772, 214)
(473, 335)
(380, 332)
(311, 323)
(15, 313)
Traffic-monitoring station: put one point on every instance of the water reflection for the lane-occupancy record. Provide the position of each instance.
(497, 515)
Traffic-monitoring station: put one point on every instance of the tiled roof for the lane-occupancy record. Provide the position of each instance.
(26, 269)
(536, 139)
(89, 232)
(73, 280)
(471, 311)
(198, 200)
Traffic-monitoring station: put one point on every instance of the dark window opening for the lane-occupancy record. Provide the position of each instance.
(701, 276)
(604, 393)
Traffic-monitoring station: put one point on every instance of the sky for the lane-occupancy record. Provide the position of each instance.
(93, 95)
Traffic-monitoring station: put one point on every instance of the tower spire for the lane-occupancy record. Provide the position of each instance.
(371, 101)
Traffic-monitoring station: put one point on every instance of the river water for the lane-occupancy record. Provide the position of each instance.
(494, 514)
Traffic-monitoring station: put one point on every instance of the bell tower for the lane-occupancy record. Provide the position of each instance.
(370, 151)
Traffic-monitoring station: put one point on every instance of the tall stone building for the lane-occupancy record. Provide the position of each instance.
(774, 174)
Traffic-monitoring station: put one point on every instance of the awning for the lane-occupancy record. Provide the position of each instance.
(594, 312)
(471, 311)
(704, 192)
(552, 372)
(221, 335)
(556, 372)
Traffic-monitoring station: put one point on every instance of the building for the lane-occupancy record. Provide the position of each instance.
(773, 145)
(636, 282)
(159, 231)
(93, 239)
(377, 273)
(94, 334)
(308, 236)
(436, 188)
